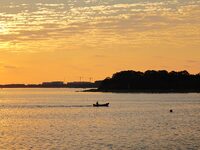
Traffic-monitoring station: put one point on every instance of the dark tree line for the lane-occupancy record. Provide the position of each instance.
(151, 80)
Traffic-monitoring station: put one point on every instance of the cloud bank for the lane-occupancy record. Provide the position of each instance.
(28, 26)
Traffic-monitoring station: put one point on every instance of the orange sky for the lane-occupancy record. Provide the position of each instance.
(63, 40)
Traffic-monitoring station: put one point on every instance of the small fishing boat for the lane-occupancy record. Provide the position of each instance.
(101, 105)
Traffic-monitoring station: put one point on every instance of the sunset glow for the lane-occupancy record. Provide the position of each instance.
(62, 40)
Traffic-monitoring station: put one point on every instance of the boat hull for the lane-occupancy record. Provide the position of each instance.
(101, 105)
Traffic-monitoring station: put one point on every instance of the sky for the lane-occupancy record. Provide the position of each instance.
(50, 40)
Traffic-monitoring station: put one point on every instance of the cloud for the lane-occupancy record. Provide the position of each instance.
(10, 67)
(100, 56)
(101, 22)
(5, 66)
(193, 61)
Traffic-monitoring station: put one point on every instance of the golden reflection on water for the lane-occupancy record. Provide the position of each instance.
(134, 121)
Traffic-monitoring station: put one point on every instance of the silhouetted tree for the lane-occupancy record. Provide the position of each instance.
(151, 80)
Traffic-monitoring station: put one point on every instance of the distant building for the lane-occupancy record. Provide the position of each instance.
(53, 84)
(81, 85)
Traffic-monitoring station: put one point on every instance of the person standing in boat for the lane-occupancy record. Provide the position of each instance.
(97, 103)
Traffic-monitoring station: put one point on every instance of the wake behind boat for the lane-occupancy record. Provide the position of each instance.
(101, 105)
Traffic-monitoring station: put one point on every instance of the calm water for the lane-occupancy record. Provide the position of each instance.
(64, 119)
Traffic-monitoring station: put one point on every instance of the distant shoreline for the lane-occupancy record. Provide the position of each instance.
(110, 91)
(43, 87)
(142, 91)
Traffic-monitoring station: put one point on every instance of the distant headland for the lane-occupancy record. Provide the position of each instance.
(150, 81)
(130, 81)
(55, 84)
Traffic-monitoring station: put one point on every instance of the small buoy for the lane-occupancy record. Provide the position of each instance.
(171, 110)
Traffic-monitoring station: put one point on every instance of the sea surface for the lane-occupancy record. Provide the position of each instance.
(65, 119)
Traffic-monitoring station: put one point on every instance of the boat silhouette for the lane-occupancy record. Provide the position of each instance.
(101, 105)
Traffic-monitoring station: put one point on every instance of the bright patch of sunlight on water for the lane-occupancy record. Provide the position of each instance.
(63, 119)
